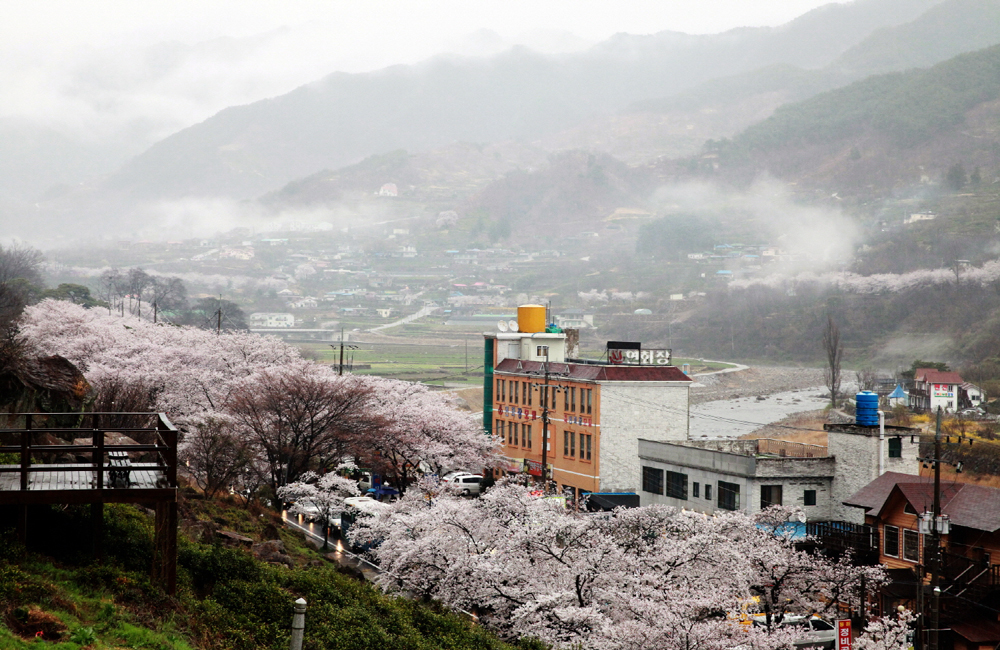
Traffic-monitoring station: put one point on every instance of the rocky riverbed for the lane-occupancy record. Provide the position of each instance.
(753, 382)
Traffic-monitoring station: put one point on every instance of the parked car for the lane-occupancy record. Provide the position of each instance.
(815, 632)
(466, 484)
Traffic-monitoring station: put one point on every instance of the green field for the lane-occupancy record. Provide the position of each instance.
(457, 364)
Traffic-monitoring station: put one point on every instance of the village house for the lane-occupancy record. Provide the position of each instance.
(898, 507)
(936, 388)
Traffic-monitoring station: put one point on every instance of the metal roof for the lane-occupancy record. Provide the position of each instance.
(588, 372)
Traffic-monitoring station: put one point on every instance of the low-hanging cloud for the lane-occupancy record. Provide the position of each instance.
(813, 232)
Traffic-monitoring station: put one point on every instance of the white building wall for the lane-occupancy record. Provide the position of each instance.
(652, 410)
(856, 450)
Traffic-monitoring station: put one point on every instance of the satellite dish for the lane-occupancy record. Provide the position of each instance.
(502, 326)
(512, 325)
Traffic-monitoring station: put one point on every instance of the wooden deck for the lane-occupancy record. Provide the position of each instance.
(98, 449)
(142, 476)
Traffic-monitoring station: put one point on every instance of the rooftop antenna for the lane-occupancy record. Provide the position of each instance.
(512, 325)
(502, 326)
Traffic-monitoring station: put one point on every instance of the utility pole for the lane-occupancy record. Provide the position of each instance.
(545, 425)
(154, 312)
(932, 642)
(218, 313)
(340, 368)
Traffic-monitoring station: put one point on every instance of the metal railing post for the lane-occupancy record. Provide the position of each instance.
(25, 454)
(298, 624)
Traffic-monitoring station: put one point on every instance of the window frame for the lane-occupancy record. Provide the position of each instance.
(724, 490)
(895, 447)
(676, 485)
(695, 490)
(808, 495)
(566, 437)
(652, 478)
(768, 501)
(708, 491)
(910, 535)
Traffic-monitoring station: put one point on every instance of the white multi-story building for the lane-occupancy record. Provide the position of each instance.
(271, 320)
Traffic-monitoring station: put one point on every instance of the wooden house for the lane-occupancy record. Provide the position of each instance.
(970, 552)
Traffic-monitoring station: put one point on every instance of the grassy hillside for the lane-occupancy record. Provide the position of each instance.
(226, 598)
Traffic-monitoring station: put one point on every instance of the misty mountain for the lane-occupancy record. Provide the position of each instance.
(35, 160)
(574, 187)
(447, 174)
(247, 150)
(679, 124)
(884, 132)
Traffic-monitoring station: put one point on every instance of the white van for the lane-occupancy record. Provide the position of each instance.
(466, 484)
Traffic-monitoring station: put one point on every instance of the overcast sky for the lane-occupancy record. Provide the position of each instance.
(101, 67)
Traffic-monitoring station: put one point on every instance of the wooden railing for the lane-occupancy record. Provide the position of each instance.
(784, 448)
(158, 435)
(861, 539)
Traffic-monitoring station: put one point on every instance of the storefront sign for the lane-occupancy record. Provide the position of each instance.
(844, 634)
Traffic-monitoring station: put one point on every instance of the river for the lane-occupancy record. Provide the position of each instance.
(732, 418)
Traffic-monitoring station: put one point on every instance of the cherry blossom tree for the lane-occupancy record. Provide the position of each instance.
(639, 578)
(319, 497)
(887, 633)
(293, 414)
(216, 456)
(303, 417)
(423, 433)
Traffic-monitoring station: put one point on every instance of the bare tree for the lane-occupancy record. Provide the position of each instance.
(867, 378)
(834, 351)
(300, 422)
(216, 456)
(20, 281)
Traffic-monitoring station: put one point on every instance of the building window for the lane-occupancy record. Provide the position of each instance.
(513, 426)
(590, 396)
(541, 351)
(572, 399)
(911, 545)
(526, 435)
(585, 441)
(566, 399)
(513, 391)
(500, 389)
(708, 492)
(770, 495)
(567, 436)
(729, 496)
(572, 444)
(891, 544)
(543, 396)
(895, 447)
(809, 498)
(525, 393)
(695, 490)
(500, 431)
(652, 480)
(677, 485)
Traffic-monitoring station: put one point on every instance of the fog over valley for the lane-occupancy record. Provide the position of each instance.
(711, 164)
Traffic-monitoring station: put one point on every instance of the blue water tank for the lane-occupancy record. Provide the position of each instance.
(867, 409)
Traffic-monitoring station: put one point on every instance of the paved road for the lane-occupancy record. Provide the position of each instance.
(425, 311)
(338, 554)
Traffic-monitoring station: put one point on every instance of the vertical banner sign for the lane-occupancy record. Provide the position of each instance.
(844, 634)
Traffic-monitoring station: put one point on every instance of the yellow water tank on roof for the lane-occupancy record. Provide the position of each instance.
(531, 318)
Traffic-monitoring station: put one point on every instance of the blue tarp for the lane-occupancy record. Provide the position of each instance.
(898, 393)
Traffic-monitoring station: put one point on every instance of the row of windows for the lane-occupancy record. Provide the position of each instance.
(514, 435)
(728, 494)
(569, 444)
(676, 487)
(910, 547)
(521, 392)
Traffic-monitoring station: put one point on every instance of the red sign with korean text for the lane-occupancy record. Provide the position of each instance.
(844, 634)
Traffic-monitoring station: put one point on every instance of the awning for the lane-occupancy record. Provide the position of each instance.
(606, 501)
